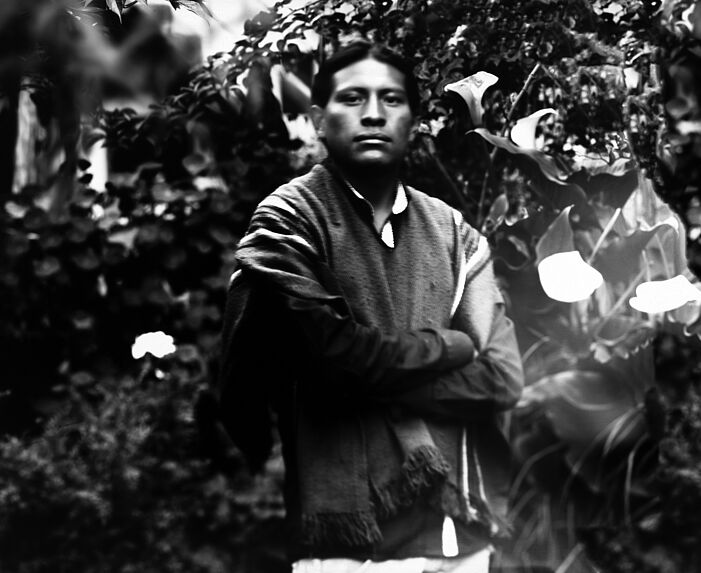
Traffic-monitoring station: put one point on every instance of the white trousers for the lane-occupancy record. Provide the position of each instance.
(475, 563)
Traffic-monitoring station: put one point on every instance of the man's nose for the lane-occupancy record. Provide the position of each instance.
(373, 112)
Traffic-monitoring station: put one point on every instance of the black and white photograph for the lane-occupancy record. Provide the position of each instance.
(350, 286)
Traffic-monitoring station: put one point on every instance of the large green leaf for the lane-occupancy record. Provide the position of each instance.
(620, 260)
(558, 238)
(549, 178)
(594, 166)
(613, 183)
(644, 208)
(646, 225)
(546, 163)
(591, 413)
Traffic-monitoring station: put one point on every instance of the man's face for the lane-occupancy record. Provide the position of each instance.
(367, 121)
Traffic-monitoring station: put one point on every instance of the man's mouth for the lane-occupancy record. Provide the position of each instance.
(372, 138)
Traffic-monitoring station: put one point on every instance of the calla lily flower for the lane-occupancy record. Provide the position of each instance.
(471, 89)
(662, 296)
(159, 344)
(631, 77)
(567, 278)
(523, 132)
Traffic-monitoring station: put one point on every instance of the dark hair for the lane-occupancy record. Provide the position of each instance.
(355, 52)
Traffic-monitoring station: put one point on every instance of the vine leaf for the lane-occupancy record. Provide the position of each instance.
(472, 89)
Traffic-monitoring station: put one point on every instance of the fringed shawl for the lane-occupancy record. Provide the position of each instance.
(355, 470)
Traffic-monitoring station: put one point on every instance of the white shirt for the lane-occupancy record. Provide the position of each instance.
(401, 202)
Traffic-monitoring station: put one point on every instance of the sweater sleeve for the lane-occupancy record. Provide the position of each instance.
(493, 381)
(490, 383)
(281, 251)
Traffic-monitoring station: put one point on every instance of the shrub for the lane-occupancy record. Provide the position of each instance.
(120, 481)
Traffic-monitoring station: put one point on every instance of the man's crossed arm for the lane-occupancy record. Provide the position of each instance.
(429, 370)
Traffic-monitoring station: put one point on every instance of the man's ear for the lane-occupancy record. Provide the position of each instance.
(317, 115)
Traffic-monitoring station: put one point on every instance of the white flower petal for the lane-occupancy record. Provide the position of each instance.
(471, 89)
(523, 132)
(661, 296)
(567, 278)
(159, 344)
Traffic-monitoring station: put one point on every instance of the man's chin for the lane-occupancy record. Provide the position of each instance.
(372, 161)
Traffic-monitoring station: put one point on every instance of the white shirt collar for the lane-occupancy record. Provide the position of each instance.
(401, 201)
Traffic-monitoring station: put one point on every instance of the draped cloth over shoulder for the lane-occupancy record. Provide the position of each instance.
(355, 468)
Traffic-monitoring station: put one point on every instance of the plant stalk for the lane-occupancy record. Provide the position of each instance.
(605, 232)
(570, 559)
(520, 94)
(493, 153)
(623, 297)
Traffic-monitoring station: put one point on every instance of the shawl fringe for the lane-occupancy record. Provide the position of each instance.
(350, 529)
(424, 469)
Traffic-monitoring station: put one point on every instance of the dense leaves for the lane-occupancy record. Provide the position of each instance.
(78, 289)
(122, 481)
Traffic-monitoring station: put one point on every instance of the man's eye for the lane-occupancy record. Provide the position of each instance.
(350, 98)
(394, 99)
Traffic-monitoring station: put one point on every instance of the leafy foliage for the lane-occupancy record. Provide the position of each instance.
(79, 288)
(120, 481)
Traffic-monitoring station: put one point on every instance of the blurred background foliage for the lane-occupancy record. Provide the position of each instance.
(112, 464)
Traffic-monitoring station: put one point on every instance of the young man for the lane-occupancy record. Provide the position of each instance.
(367, 315)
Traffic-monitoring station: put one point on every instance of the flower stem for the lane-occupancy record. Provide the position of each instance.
(605, 232)
(624, 296)
(493, 153)
(520, 94)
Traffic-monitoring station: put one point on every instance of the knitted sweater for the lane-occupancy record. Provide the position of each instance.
(374, 338)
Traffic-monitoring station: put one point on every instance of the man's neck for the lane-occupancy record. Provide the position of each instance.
(378, 187)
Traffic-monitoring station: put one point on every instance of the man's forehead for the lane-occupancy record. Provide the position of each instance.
(369, 74)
